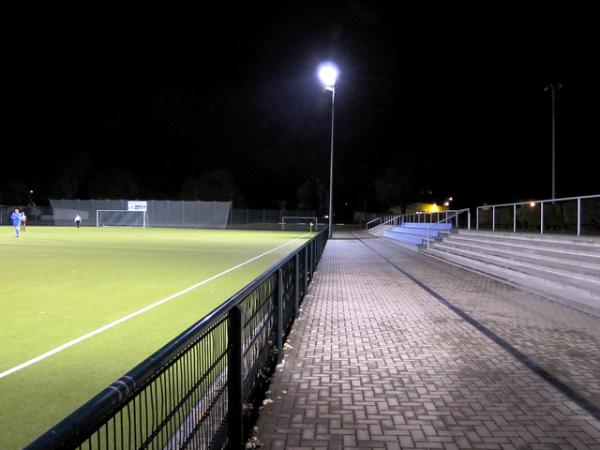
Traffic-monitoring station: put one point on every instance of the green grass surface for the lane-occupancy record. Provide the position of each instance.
(58, 284)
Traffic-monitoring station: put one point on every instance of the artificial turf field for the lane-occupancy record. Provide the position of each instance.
(60, 284)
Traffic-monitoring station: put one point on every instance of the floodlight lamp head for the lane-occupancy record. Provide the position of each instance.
(328, 73)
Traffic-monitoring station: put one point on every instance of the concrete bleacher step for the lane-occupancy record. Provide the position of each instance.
(562, 268)
(589, 244)
(576, 297)
(404, 237)
(559, 260)
(379, 229)
(589, 280)
(575, 253)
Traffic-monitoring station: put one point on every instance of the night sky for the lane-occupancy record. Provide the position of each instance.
(450, 99)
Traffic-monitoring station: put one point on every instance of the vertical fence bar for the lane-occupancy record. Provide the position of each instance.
(469, 219)
(234, 380)
(578, 216)
(541, 217)
(296, 284)
(279, 328)
(493, 218)
(477, 219)
(305, 269)
(313, 247)
(514, 218)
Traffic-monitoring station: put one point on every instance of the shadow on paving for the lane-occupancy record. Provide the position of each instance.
(562, 340)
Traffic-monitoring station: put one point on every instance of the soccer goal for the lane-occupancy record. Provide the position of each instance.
(298, 223)
(121, 218)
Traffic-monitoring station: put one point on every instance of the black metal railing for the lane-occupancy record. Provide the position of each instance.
(196, 390)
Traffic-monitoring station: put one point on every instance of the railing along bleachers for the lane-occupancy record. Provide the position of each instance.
(570, 215)
(454, 216)
(198, 390)
(419, 228)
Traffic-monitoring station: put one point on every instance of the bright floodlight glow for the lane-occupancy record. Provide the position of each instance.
(328, 73)
(532, 204)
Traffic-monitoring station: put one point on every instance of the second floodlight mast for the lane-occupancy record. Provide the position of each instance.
(328, 73)
(554, 88)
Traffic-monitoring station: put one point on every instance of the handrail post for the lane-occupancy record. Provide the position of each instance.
(234, 380)
(310, 260)
(494, 218)
(477, 218)
(305, 269)
(279, 327)
(578, 216)
(469, 219)
(514, 217)
(541, 217)
(296, 284)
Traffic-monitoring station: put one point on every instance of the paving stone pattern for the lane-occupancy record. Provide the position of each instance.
(376, 362)
(562, 340)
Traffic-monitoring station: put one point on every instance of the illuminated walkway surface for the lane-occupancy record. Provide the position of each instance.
(394, 350)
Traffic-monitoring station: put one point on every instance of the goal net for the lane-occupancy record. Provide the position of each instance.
(299, 223)
(121, 218)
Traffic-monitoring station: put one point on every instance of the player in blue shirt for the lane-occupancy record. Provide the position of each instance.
(16, 220)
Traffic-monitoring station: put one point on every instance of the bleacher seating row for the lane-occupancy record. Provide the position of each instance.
(560, 267)
(415, 233)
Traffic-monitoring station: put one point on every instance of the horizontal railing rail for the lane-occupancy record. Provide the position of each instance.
(384, 220)
(370, 222)
(564, 215)
(198, 390)
(432, 217)
(456, 214)
(419, 217)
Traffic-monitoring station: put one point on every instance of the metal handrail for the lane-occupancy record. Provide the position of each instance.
(387, 220)
(456, 214)
(401, 218)
(371, 221)
(391, 220)
(534, 202)
(416, 216)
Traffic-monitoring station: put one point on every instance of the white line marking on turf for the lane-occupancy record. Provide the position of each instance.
(136, 313)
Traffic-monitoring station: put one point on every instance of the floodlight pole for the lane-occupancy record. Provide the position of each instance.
(553, 87)
(332, 89)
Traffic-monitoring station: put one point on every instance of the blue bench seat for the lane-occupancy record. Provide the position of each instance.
(415, 233)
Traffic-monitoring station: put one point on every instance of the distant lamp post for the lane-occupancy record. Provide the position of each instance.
(554, 87)
(328, 73)
(30, 197)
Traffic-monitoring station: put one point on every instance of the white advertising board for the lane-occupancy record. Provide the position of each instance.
(137, 205)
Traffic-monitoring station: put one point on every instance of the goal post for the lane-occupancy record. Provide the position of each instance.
(299, 223)
(121, 218)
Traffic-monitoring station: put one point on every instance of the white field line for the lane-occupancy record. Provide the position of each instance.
(137, 313)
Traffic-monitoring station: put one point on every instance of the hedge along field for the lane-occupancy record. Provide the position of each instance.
(58, 285)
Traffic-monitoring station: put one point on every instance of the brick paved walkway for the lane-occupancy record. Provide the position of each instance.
(378, 362)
